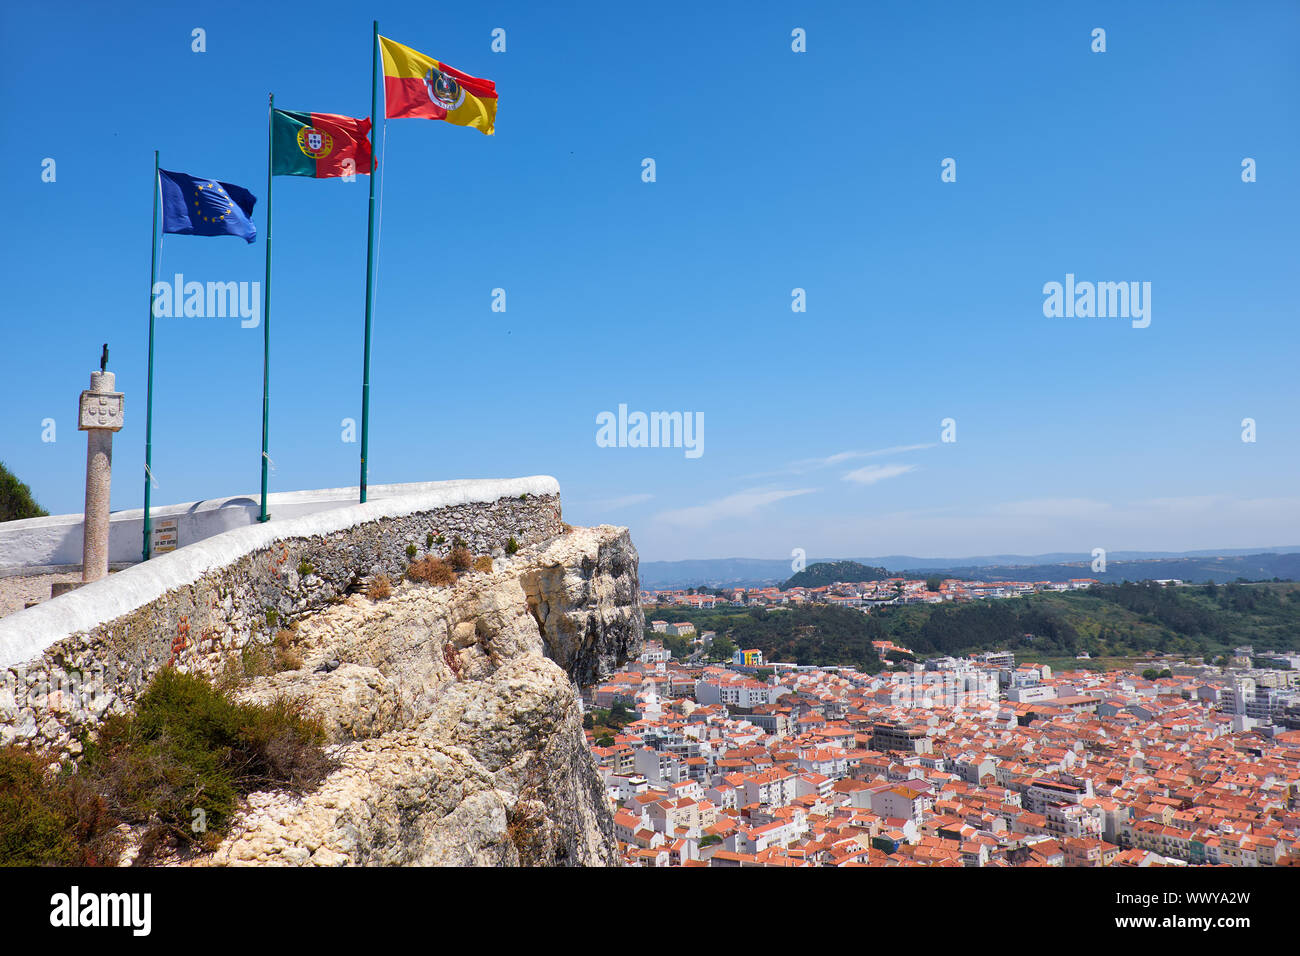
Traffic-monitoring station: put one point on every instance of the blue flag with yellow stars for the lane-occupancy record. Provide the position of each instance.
(205, 207)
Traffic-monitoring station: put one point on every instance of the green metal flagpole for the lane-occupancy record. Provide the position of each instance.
(148, 415)
(370, 256)
(266, 308)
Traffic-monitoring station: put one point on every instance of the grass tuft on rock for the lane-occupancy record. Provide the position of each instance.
(431, 570)
(379, 588)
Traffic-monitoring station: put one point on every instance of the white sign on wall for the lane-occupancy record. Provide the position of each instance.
(164, 536)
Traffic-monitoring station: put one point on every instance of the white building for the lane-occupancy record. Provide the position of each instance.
(654, 652)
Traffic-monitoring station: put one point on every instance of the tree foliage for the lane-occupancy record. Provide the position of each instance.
(16, 499)
(807, 635)
(828, 572)
(1122, 620)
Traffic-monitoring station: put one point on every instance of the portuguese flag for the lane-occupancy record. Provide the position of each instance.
(319, 144)
(419, 86)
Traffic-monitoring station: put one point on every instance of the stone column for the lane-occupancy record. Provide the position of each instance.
(100, 415)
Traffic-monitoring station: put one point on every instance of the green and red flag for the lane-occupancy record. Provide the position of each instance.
(319, 144)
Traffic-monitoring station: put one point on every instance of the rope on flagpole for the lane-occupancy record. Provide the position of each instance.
(379, 239)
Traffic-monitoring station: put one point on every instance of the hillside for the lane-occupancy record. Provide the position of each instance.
(828, 572)
(810, 635)
(436, 640)
(1119, 621)
(1195, 566)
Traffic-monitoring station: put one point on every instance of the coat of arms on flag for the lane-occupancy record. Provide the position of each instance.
(443, 89)
(314, 142)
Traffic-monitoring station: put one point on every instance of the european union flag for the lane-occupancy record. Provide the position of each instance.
(205, 207)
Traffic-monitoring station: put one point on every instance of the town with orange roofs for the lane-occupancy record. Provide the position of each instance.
(974, 761)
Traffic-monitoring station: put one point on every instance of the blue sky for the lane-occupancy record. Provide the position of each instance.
(774, 170)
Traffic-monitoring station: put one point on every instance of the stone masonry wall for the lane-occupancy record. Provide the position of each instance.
(48, 700)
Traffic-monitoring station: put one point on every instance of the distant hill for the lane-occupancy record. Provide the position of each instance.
(1197, 566)
(1197, 570)
(824, 573)
(16, 499)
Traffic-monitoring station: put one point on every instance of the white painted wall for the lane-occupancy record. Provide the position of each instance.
(55, 542)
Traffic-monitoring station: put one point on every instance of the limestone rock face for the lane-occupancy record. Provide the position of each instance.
(587, 606)
(454, 718)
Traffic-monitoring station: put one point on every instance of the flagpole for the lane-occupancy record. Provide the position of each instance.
(370, 258)
(148, 415)
(266, 307)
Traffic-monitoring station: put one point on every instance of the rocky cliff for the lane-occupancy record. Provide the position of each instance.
(454, 717)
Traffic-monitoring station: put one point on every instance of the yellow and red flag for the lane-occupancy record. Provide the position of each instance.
(419, 86)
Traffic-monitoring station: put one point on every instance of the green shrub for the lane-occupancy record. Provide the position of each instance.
(441, 539)
(511, 545)
(272, 617)
(305, 568)
(412, 551)
(188, 747)
(51, 819)
(255, 660)
(428, 541)
(185, 748)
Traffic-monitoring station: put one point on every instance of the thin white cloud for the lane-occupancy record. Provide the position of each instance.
(870, 474)
(739, 505)
(807, 464)
(804, 465)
